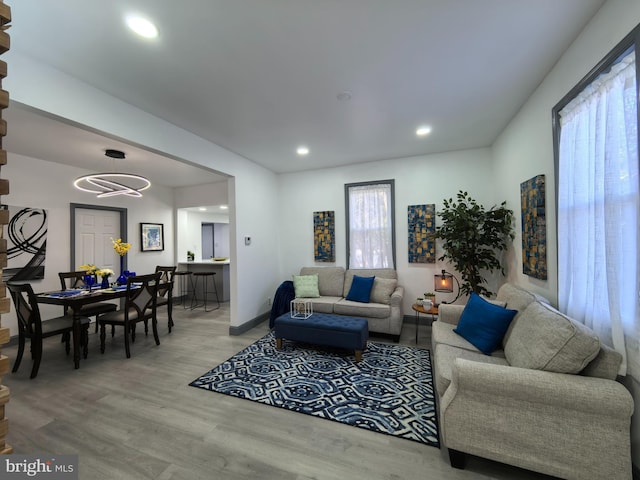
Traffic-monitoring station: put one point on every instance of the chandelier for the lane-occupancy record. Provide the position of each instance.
(112, 184)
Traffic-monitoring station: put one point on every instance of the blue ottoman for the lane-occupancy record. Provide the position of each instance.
(340, 331)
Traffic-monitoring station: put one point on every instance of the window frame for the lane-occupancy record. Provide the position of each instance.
(391, 183)
(632, 39)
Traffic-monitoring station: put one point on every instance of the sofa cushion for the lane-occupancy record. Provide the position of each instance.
(324, 304)
(382, 290)
(484, 324)
(516, 298)
(366, 272)
(605, 365)
(542, 338)
(357, 309)
(442, 332)
(360, 290)
(306, 286)
(444, 356)
(330, 279)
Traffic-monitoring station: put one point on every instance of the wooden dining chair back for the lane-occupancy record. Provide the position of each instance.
(140, 306)
(165, 291)
(71, 280)
(32, 327)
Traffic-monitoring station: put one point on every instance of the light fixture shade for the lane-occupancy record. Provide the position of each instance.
(112, 184)
(443, 283)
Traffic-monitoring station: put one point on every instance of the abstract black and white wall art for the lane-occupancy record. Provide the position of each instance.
(26, 235)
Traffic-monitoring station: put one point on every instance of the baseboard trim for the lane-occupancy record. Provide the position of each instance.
(246, 326)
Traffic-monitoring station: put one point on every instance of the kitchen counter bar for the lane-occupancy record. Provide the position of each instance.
(221, 277)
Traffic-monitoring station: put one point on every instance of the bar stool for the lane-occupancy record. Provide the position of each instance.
(184, 282)
(204, 276)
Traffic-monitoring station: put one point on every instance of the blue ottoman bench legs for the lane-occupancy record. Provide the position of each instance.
(339, 331)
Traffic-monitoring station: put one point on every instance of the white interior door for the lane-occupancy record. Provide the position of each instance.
(93, 233)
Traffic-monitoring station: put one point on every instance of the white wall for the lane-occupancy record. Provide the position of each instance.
(418, 180)
(221, 239)
(252, 190)
(191, 234)
(525, 148)
(202, 195)
(41, 184)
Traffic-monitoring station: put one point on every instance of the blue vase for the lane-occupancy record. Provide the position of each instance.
(89, 280)
(122, 279)
(105, 282)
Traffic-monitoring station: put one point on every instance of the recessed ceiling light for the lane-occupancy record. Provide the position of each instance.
(224, 207)
(422, 131)
(202, 209)
(302, 151)
(142, 27)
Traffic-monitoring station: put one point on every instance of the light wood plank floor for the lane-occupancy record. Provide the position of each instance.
(137, 418)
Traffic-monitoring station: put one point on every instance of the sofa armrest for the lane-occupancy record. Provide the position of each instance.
(396, 297)
(449, 313)
(569, 426)
(574, 392)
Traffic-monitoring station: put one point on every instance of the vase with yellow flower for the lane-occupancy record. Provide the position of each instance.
(121, 249)
(89, 277)
(104, 273)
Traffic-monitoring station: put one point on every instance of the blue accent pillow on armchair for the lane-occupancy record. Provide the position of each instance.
(360, 290)
(484, 324)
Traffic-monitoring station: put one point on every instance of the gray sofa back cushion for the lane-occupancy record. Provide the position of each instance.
(605, 365)
(382, 290)
(330, 279)
(545, 339)
(516, 298)
(367, 272)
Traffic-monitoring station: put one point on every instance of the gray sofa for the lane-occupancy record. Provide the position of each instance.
(547, 401)
(383, 312)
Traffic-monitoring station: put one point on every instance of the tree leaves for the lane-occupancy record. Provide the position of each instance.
(472, 238)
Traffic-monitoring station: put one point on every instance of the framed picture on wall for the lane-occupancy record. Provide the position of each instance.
(151, 237)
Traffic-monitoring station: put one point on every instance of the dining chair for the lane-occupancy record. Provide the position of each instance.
(165, 291)
(32, 327)
(140, 306)
(76, 280)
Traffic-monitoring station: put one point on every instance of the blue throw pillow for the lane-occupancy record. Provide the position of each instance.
(360, 290)
(484, 324)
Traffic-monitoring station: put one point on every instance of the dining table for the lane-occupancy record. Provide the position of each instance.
(74, 299)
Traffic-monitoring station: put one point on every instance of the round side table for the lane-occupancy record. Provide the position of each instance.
(433, 311)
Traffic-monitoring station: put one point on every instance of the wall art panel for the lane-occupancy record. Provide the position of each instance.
(534, 227)
(26, 235)
(422, 226)
(324, 236)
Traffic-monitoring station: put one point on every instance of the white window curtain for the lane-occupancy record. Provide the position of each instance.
(370, 226)
(598, 209)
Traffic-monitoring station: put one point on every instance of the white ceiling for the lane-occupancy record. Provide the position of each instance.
(260, 77)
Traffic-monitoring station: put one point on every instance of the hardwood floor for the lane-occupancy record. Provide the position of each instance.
(137, 418)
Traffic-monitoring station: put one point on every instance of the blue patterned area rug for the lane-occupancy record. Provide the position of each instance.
(390, 391)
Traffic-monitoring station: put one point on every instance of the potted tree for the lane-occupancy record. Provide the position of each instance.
(473, 238)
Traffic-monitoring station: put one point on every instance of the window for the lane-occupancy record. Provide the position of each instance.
(598, 201)
(370, 224)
